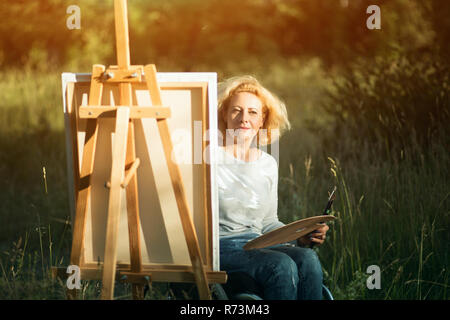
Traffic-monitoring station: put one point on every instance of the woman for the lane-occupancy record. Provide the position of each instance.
(251, 116)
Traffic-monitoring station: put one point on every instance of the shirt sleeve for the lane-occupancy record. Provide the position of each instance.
(270, 221)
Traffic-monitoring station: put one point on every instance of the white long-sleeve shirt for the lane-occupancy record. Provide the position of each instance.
(248, 194)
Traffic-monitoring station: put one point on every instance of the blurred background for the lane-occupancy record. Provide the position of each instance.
(369, 112)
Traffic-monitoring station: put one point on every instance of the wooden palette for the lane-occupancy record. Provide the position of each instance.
(289, 232)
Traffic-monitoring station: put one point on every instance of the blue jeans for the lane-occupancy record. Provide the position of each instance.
(284, 272)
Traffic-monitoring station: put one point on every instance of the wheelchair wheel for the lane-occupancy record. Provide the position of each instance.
(326, 293)
(188, 291)
(217, 292)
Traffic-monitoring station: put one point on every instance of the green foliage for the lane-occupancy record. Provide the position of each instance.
(395, 104)
(369, 111)
(385, 146)
(25, 25)
(188, 35)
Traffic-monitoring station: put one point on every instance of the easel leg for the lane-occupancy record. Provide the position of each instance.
(114, 206)
(138, 291)
(185, 216)
(132, 199)
(72, 294)
(178, 187)
(87, 166)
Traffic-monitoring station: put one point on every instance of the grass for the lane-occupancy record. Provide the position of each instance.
(393, 200)
(383, 223)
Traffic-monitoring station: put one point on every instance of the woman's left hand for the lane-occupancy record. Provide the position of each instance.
(317, 237)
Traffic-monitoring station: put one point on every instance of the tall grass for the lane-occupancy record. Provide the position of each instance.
(393, 217)
(393, 195)
(35, 226)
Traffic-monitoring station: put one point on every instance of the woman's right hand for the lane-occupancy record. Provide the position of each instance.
(317, 237)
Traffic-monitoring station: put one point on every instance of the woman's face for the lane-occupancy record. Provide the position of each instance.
(244, 115)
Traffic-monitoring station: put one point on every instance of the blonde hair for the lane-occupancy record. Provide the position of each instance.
(276, 120)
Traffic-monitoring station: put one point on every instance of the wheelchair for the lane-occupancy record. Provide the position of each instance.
(240, 286)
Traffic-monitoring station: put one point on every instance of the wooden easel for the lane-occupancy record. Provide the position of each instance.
(125, 164)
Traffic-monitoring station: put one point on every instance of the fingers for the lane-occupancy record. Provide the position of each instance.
(324, 229)
(317, 237)
(320, 236)
(318, 241)
(318, 233)
(321, 231)
(308, 241)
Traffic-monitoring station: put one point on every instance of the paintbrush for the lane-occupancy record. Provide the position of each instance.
(327, 208)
